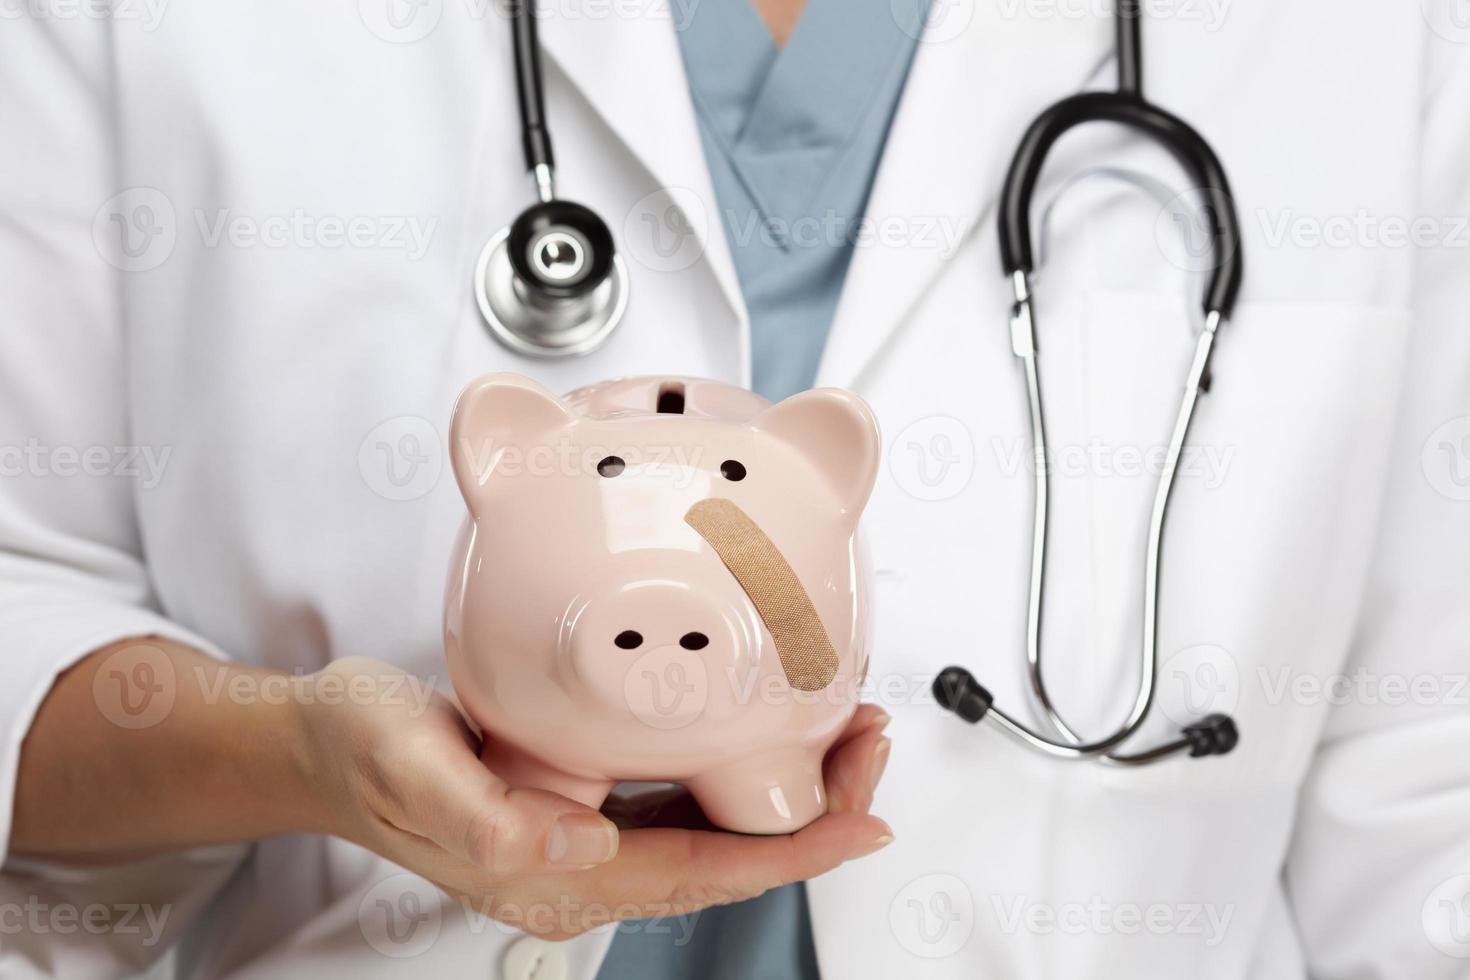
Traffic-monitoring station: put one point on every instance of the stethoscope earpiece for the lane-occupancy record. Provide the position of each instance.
(957, 690)
(1211, 735)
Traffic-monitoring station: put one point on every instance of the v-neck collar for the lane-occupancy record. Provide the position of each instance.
(822, 84)
(782, 117)
(728, 55)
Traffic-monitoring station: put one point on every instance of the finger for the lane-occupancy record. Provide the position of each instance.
(658, 873)
(666, 871)
(851, 772)
(866, 717)
(453, 800)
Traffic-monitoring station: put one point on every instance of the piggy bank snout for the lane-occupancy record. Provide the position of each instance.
(661, 651)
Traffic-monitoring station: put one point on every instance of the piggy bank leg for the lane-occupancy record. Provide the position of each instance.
(521, 770)
(772, 793)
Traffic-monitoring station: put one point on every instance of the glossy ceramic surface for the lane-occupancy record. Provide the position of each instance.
(597, 637)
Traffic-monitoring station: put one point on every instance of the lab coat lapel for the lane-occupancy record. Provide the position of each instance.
(627, 65)
(982, 71)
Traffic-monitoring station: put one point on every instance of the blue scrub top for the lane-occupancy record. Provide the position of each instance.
(792, 137)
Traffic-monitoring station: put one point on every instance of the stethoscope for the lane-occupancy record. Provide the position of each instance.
(552, 285)
(956, 688)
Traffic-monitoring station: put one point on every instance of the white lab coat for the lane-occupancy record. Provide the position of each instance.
(285, 499)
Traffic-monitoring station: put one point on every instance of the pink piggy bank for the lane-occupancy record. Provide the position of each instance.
(660, 579)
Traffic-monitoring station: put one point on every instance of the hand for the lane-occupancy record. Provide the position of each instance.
(406, 781)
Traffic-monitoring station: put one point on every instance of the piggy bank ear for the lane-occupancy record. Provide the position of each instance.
(498, 419)
(837, 431)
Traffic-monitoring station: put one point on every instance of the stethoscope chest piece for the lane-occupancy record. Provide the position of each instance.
(551, 285)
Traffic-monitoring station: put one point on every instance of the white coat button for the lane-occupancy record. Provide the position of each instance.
(530, 958)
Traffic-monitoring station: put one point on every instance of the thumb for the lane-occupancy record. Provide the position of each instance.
(471, 813)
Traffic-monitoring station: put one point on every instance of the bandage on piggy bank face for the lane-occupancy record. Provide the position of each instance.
(661, 579)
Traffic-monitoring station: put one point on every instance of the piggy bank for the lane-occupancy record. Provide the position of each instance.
(661, 579)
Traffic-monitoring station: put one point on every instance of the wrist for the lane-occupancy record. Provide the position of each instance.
(268, 750)
(298, 774)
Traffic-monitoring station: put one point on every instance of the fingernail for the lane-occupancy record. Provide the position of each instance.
(581, 839)
(880, 763)
(877, 845)
(880, 721)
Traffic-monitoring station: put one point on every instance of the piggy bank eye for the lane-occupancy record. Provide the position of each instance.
(628, 640)
(732, 470)
(611, 466)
